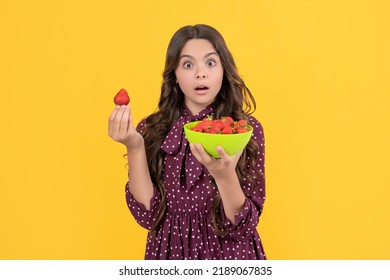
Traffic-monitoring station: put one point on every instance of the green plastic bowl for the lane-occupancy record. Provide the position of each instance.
(231, 143)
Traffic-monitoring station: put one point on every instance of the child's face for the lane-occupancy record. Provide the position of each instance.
(199, 74)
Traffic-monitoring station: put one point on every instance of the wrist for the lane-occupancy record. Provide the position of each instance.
(229, 178)
(134, 148)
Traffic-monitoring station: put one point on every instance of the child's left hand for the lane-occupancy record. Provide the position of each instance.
(218, 168)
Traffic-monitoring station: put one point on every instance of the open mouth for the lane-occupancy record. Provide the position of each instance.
(201, 88)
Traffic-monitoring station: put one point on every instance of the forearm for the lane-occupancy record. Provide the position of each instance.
(232, 196)
(140, 183)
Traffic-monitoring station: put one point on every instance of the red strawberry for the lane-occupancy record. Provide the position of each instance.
(241, 123)
(197, 129)
(225, 125)
(241, 130)
(213, 130)
(228, 120)
(122, 98)
(227, 130)
(219, 124)
(205, 125)
(207, 121)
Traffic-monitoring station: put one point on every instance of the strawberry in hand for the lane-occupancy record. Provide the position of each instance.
(122, 98)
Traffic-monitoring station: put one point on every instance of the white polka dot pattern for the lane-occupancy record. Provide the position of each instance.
(186, 232)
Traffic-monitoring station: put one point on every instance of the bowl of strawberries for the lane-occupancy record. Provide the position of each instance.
(231, 135)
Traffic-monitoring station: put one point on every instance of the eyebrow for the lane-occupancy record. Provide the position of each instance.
(207, 55)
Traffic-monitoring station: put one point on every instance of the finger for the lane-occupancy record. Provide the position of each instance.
(113, 114)
(195, 152)
(120, 127)
(130, 117)
(113, 126)
(206, 158)
(118, 118)
(237, 156)
(224, 156)
(124, 123)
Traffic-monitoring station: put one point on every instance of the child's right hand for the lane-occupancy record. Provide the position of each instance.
(121, 129)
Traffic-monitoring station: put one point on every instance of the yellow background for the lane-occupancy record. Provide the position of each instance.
(319, 71)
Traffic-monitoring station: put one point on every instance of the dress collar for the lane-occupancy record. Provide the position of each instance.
(176, 135)
(177, 149)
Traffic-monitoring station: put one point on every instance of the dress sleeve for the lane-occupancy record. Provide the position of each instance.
(143, 216)
(247, 220)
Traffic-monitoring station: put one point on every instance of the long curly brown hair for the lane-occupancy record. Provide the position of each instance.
(234, 99)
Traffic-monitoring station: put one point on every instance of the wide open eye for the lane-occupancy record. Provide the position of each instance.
(187, 65)
(211, 63)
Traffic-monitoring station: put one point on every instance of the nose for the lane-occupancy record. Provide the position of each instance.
(201, 74)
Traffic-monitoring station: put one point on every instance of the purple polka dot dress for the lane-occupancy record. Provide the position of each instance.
(186, 232)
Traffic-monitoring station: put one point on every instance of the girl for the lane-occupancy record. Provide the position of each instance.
(194, 206)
